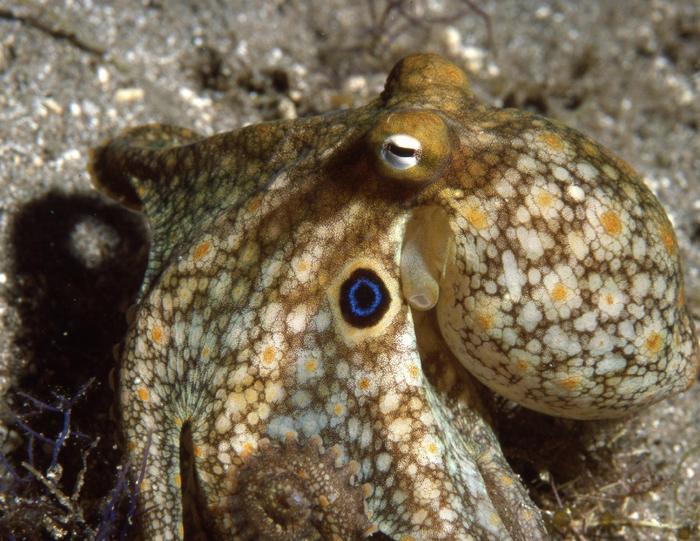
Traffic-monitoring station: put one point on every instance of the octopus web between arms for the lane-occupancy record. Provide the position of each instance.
(321, 292)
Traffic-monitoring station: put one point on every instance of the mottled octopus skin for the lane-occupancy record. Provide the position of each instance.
(509, 247)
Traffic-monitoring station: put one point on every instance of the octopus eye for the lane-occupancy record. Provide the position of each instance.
(410, 146)
(401, 151)
(364, 298)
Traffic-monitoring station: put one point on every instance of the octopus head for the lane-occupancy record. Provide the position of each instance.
(554, 271)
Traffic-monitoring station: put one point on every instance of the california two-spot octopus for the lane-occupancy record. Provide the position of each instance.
(321, 292)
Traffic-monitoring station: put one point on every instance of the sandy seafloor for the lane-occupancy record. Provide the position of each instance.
(74, 72)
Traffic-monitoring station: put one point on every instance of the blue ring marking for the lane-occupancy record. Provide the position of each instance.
(355, 307)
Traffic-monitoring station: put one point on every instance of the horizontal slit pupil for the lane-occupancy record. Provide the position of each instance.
(403, 152)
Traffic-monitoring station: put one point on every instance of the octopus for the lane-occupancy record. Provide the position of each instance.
(328, 298)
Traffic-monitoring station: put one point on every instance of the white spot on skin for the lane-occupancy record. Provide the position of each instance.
(383, 462)
(279, 427)
(561, 174)
(639, 248)
(526, 164)
(611, 172)
(512, 274)
(578, 245)
(296, 320)
(321, 320)
(586, 322)
(399, 429)
(611, 300)
(601, 343)
(559, 341)
(610, 364)
(389, 402)
(640, 285)
(587, 171)
(529, 317)
(309, 365)
(530, 242)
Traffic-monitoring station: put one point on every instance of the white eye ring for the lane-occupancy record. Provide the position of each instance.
(401, 151)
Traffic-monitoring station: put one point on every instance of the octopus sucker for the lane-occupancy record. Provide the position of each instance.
(293, 491)
(348, 278)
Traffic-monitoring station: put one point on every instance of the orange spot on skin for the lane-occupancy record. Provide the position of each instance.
(143, 394)
(544, 199)
(247, 449)
(522, 366)
(338, 409)
(178, 421)
(669, 240)
(130, 446)
(485, 321)
(432, 448)
(611, 223)
(178, 480)
(552, 140)
(198, 451)
(303, 266)
(363, 384)
(323, 501)
(559, 292)
(268, 355)
(476, 217)
(570, 383)
(654, 342)
(201, 250)
(157, 334)
(310, 365)
(413, 371)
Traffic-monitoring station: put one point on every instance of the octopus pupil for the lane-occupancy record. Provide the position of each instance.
(402, 152)
(363, 298)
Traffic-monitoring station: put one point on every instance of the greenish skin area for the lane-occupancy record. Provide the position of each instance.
(514, 251)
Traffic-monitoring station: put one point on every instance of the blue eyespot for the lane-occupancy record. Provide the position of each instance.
(364, 298)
